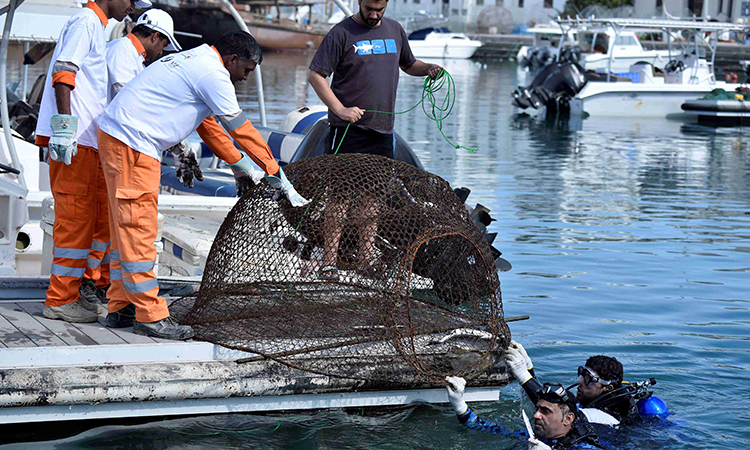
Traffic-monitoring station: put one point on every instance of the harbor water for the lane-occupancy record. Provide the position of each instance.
(627, 238)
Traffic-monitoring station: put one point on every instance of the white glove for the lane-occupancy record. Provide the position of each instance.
(522, 351)
(516, 365)
(455, 388)
(63, 144)
(282, 183)
(243, 178)
(536, 444)
(186, 164)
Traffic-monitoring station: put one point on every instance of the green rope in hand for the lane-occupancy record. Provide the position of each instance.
(433, 111)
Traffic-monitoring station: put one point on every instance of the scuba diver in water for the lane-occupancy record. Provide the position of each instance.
(558, 423)
(602, 395)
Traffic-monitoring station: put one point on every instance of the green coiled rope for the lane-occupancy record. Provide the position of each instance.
(433, 111)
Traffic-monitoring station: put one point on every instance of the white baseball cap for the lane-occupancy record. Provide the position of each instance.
(161, 21)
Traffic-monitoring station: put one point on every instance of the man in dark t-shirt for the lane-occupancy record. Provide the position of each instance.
(364, 53)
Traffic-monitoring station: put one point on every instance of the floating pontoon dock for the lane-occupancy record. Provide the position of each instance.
(51, 370)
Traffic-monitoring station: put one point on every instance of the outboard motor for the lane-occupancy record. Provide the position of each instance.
(553, 87)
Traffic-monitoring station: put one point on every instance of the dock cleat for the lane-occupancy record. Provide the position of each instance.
(70, 312)
(166, 329)
(123, 318)
(89, 297)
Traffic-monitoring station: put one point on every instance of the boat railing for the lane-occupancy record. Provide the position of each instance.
(698, 29)
(9, 10)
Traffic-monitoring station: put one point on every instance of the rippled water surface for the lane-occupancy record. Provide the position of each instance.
(627, 238)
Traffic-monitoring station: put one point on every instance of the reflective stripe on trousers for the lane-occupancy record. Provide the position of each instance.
(76, 192)
(132, 186)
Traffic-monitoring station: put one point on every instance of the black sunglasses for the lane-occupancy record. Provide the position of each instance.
(589, 377)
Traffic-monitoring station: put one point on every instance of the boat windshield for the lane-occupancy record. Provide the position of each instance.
(594, 42)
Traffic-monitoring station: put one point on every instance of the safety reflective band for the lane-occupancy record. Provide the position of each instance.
(99, 246)
(232, 122)
(143, 286)
(71, 253)
(62, 271)
(137, 267)
(115, 274)
(93, 263)
(106, 259)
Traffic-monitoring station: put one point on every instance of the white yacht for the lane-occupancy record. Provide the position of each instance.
(441, 43)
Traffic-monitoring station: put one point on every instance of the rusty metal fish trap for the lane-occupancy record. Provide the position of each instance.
(410, 269)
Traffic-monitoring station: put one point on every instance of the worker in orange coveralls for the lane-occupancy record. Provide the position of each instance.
(155, 111)
(75, 95)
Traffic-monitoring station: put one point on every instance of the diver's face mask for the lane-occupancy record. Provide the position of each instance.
(588, 377)
(556, 393)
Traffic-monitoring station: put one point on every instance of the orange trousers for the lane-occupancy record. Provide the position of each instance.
(81, 228)
(133, 187)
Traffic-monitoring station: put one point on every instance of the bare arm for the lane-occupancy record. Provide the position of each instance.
(422, 69)
(62, 97)
(325, 93)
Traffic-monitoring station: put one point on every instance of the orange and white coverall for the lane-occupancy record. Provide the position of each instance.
(155, 111)
(81, 230)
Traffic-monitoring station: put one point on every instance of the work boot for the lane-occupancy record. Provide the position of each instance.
(123, 318)
(102, 293)
(70, 312)
(89, 297)
(165, 329)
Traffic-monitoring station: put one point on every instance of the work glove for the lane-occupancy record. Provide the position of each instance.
(281, 183)
(524, 355)
(186, 164)
(243, 175)
(455, 388)
(516, 365)
(63, 144)
(536, 444)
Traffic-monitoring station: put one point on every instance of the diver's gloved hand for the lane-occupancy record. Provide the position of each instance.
(280, 182)
(186, 164)
(536, 444)
(455, 388)
(243, 177)
(516, 365)
(524, 355)
(63, 144)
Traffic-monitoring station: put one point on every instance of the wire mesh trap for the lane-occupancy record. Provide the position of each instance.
(369, 281)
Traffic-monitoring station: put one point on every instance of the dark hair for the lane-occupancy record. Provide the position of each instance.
(241, 44)
(606, 367)
(145, 31)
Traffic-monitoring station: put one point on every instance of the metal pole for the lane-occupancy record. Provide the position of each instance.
(343, 7)
(24, 73)
(258, 75)
(4, 95)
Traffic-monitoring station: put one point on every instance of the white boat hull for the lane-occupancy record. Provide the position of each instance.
(622, 63)
(639, 100)
(429, 50)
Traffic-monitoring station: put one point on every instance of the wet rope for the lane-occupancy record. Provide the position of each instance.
(433, 111)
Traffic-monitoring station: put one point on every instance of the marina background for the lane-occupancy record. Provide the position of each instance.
(627, 238)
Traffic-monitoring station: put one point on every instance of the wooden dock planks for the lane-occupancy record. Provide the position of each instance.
(23, 325)
(40, 335)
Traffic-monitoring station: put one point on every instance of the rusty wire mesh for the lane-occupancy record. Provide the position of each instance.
(410, 267)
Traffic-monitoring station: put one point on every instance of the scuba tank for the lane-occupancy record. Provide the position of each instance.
(641, 400)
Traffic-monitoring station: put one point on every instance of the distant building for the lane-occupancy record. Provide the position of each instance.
(466, 11)
(723, 10)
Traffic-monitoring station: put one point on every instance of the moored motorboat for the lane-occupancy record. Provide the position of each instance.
(442, 43)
